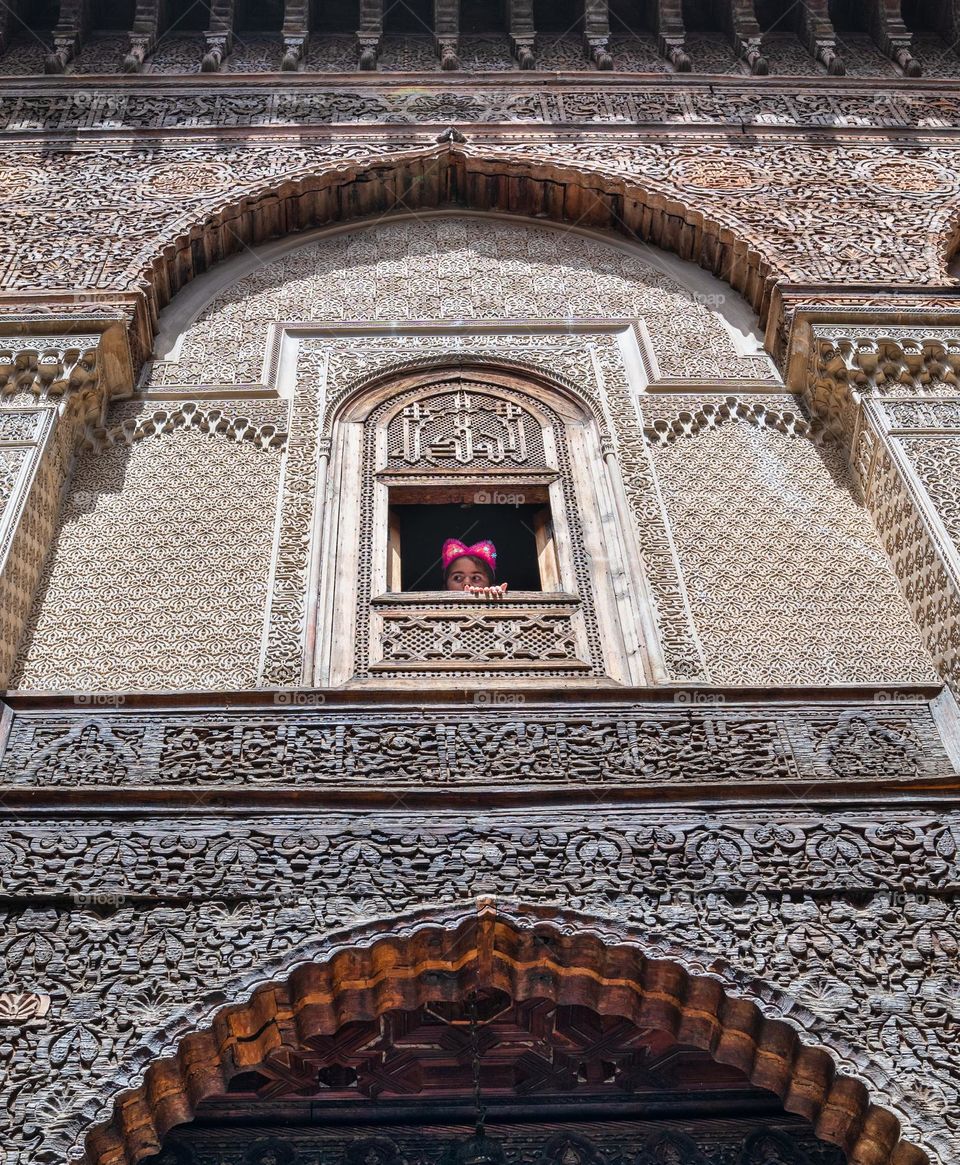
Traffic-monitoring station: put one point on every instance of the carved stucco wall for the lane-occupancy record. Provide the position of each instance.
(130, 549)
(443, 268)
(159, 571)
(785, 574)
(866, 971)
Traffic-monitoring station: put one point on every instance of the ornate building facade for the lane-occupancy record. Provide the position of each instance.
(307, 860)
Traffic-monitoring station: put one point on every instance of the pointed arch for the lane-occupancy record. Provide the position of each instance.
(528, 953)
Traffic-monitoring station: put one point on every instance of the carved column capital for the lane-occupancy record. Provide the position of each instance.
(57, 359)
(839, 363)
(889, 389)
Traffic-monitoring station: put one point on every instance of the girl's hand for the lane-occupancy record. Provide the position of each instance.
(496, 592)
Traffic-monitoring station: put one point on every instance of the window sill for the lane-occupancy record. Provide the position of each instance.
(434, 599)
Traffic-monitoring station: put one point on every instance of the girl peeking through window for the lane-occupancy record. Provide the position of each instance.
(471, 568)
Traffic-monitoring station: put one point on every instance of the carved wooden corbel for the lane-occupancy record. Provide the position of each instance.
(820, 37)
(68, 36)
(294, 34)
(219, 38)
(672, 34)
(370, 33)
(596, 32)
(892, 36)
(746, 34)
(143, 35)
(523, 33)
(446, 25)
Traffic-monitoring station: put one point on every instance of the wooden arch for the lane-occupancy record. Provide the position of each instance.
(527, 954)
(450, 176)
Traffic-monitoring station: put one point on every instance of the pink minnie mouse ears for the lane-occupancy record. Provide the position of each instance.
(453, 548)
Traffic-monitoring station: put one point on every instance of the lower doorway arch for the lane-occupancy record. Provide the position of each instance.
(303, 1034)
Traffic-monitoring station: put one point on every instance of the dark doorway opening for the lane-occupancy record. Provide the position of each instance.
(421, 530)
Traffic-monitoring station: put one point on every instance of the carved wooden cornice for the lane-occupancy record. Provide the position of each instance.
(638, 746)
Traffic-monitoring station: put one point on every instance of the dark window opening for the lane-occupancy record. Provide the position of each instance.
(924, 16)
(521, 534)
(849, 15)
(557, 16)
(487, 16)
(112, 14)
(701, 16)
(37, 14)
(259, 16)
(188, 16)
(776, 16)
(626, 17)
(335, 16)
(408, 16)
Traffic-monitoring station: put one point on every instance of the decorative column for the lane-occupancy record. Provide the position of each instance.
(892, 395)
(51, 387)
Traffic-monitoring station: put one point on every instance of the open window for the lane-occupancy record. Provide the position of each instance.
(519, 525)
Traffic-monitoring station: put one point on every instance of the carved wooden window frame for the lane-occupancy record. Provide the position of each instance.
(356, 545)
